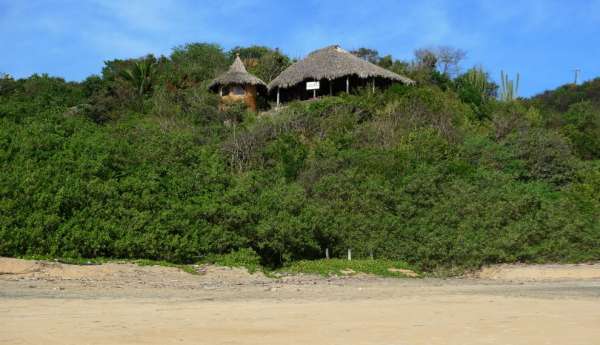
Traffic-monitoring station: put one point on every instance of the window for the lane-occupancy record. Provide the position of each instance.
(238, 91)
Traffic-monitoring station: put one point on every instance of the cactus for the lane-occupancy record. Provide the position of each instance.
(509, 88)
(477, 78)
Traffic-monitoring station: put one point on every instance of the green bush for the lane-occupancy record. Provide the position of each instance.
(582, 127)
(244, 257)
(413, 175)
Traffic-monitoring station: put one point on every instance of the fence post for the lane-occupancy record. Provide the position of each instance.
(327, 253)
(349, 254)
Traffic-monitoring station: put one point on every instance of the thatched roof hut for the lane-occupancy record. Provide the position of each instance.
(331, 63)
(238, 85)
(236, 74)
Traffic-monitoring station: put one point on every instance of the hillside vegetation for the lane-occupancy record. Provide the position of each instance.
(139, 163)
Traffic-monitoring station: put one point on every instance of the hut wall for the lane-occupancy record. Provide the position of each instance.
(249, 96)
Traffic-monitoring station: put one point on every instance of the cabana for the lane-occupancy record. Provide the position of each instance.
(238, 85)
(335, 70)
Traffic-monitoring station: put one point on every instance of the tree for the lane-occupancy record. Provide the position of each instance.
(424, 69)
(252, 52)
(194, 63)
(92, 85)
(396, 66)
(6, 83)
(446, 59)
(271, 65)
(386, 62)
(449, 59)
(367, 54)
(582, 127)
(426, 59)
(113, 68)
(564, 96)
(264, 62)
(140, 76)
(475, 87)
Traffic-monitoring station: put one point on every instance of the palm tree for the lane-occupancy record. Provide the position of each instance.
(140, 76)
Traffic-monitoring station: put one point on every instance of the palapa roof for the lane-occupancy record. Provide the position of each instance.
(236, 74)
(331, 63)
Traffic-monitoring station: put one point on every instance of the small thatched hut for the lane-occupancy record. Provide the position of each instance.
(238, 85)
(336, 70)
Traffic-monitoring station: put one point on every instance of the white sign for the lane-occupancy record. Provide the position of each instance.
(313, 85)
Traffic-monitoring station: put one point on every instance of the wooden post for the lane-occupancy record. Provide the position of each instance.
(327, 253)
(347, 85)
(277, 98)
(349, 254)
(330, 88)
(371, 254)
(221, 91)
(373, 84)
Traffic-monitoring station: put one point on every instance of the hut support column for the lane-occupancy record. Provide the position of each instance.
(373, 84)
(347, 85)
(221, 91)
(330, 90)
(277, 97)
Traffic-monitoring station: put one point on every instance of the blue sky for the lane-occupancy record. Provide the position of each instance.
(543, 40)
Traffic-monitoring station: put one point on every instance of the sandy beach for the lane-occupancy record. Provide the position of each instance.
(52, 303)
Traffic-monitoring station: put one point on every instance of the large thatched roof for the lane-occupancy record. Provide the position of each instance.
(236, 74)
(331, 63)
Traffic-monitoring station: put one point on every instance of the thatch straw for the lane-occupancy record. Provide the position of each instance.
(331, 63)
(236, 74)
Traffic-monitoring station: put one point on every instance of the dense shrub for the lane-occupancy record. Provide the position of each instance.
(563, 97)
(432, 176)
(582, 127)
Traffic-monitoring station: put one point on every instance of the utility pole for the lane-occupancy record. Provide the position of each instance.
(577, 72)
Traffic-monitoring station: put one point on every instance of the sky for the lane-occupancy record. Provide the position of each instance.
(542, 40)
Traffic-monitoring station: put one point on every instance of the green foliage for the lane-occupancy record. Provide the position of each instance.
(194, 63)
(140, 76)
(104, 191)
(426, 107)
(367, 54)
(396, 66)
(244, 257)
(261, 61)
(37, 95)
(252, 52)
(546, 156)
(7, 84)
(384, 268)
(582, 127)
(437, 176)
(508, 118)
(475, 88)
(562, 98)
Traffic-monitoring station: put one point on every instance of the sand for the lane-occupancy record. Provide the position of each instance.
(48, 303)
(540, 272)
